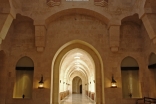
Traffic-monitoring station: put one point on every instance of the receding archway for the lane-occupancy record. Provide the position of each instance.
(99, 85)
(77, 62)
(77, 82)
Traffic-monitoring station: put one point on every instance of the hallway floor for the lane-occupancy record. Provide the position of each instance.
(77, 99)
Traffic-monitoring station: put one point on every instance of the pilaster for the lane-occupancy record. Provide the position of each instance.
(114, 37)
(40, 35)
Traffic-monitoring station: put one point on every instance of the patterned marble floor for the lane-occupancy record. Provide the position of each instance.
(77, 99)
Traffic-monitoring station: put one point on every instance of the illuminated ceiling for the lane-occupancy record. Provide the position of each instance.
(77, 60)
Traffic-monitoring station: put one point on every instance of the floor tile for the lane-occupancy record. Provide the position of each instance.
(77, 99)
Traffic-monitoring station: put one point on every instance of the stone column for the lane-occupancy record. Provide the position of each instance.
(149, 22)
(40, 35)
(114, 37)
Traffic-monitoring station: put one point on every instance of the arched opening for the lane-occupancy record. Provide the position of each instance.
(152, 60)
(77, 62)
(76, 83)
(152, 68)
(77, 58)
(80, 89)
(130, 78)
(24, 78)
(105, 17)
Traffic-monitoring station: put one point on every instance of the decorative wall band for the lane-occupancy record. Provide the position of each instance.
(52, 3)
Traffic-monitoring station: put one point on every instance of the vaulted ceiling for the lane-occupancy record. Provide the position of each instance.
(77, 60)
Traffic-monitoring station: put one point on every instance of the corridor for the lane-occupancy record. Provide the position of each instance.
(77, 99)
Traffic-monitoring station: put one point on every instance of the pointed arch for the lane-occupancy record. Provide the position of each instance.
(98, 66)
(152, 59)
(24, 78)
(129, 62)
(130, 78)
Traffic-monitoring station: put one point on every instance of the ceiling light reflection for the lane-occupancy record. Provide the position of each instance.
(77, 63)
(76, 57)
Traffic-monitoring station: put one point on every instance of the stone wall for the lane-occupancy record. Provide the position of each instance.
(20, 41)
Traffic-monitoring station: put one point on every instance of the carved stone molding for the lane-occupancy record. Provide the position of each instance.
(117, 10)
(52, 3)
(114, 49)
(102, 3)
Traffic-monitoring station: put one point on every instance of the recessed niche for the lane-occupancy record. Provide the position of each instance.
(130, 78)
(152, 74)
(24, 78)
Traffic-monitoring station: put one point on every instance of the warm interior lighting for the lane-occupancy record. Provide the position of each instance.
(113, 83)
(77, 68)
(76, 57)
(77, 63)
(41, 83)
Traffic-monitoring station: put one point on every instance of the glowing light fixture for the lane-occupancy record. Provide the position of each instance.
(77, 63)
(41, 83)
(77, 68)
(76, 57)
(113, 83)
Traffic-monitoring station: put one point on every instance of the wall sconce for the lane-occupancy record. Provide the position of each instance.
(41, 83)
(113, 83)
